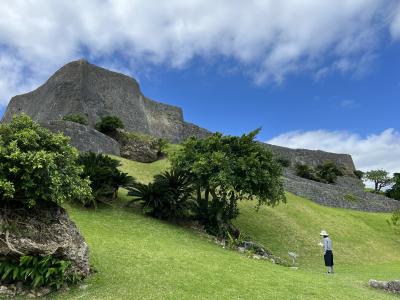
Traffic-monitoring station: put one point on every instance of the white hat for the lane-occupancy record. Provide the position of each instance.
(324, 233)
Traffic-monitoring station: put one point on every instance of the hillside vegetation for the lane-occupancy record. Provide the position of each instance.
(139, 257)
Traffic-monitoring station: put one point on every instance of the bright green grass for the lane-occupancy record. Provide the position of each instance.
(138, 257)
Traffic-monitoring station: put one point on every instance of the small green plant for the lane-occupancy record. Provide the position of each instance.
(77, 118)
(359, 174)
(351, 197)
(109, 124)
(38, 271)
(305, 171)
(325, 173)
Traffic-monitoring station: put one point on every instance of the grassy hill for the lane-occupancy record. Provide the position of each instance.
(138, 257)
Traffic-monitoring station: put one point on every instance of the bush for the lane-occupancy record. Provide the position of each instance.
(359, 174)
(38, 271)
(327, 172)
(77, 118)
(394, 191)
(351, 198)
(105, 178)
(285, 163)
(109, 124)
(37, 165)
(225, 170)
(169, 197)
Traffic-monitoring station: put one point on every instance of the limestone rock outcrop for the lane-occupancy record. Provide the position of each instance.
(83, 88)
(43, 231)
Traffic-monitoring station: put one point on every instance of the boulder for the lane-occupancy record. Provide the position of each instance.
(41, 231)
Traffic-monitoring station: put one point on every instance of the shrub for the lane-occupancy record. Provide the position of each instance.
(225, 170)
(327, 172)
(77, 118)
(109, 124)
(351, 197)
(305, 171)
(169, 197)
(38, 271)
(359, 174)
(37, 165)
(105, 178)
(394, 191)
(285, 163)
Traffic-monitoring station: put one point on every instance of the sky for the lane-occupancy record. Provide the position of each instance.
(313, 74)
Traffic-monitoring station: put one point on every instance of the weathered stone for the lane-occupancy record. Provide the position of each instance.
(85, 138)
(313, 158)
(43, 231)
(390, 286)
(336, 195)
(82, 88)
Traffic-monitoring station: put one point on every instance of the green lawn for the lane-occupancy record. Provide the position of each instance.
(138, 257)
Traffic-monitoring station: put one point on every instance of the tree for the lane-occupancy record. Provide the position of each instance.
(225, 170)
(328, 172)
(359, 174)
(109, 124)
(105, 178)
(38, 166)
(380, 178)
(394, 191)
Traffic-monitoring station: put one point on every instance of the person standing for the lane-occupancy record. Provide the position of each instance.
(328, 254)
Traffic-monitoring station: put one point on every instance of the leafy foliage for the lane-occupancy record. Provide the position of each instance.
(37, 165)
(380, 178)
(77, 118)
(38, 271)
(285, 163)
(326, 172)
(168, 197)
(105, 178)
(109, 124)
(394, 191)
(359, 174)
(351, 197)
(225, 170)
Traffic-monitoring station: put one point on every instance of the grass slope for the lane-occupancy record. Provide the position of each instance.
(138, 257)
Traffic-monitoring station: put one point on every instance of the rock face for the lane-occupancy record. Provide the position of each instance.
(85, 138)
(40, 232)
(82, 88)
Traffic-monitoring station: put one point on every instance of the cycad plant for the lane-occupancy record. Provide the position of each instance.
(169, 197)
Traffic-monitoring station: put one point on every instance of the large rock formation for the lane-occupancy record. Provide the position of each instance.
(82, 88)
(40, 232)
(85, 138)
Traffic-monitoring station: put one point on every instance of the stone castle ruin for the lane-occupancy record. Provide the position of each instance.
(83, 88)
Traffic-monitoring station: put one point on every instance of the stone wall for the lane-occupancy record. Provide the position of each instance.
(85, 138)
(313, 157)
(348, 192)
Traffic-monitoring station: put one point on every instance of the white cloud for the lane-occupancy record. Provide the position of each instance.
(376, 151)
(269, 39)
(395, 25)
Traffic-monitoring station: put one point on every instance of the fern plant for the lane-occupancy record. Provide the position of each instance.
(38, 271)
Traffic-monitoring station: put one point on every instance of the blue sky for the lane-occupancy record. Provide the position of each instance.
(313, 74)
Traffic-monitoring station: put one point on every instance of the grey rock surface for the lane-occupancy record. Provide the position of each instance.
(347, 192)
(313, 157)
(82, 88)
(84, 138)
(390, 286)
(45, 231)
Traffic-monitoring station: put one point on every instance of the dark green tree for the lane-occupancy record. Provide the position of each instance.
(394, 191)
(328, 172)
(37, 165)
(109, 124)
(225, 170)
(105, 178)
